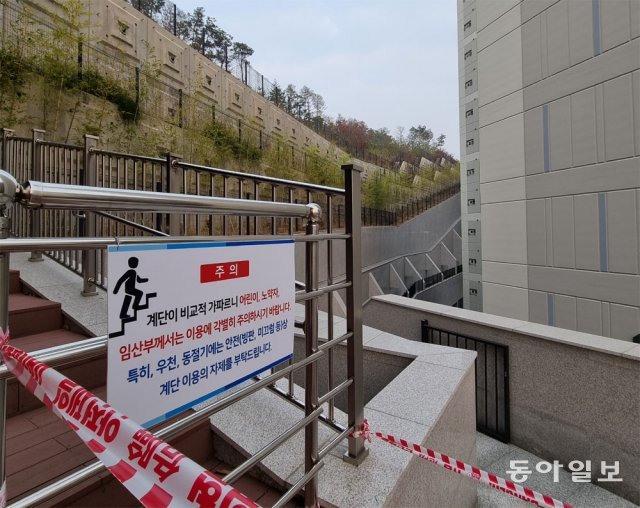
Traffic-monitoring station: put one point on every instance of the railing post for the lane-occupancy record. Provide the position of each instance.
(7, 134)
(311, 346)
(5, 228)
(174, 174)
(89, 257)
(36, 174)
(330, 359)
(355, 369)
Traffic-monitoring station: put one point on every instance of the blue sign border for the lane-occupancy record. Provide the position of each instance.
(184, 407)
(200, 245)
(193, 245)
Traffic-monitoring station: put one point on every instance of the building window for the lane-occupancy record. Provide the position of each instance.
(469, 113)
(209, 80)
(467, 25)
(468, 54)
(468, 84)
(470, 142)
(172, 57)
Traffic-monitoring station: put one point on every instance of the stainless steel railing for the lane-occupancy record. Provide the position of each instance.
(50, 196)
(36, 159)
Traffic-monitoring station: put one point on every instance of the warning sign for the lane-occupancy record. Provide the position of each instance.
(188, 321)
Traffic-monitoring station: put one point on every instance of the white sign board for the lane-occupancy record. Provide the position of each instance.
(188, 321)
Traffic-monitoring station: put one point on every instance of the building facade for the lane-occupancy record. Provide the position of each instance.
(550, 151)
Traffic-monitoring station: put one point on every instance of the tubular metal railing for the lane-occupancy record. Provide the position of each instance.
(36, 159)
(425, 283)
(41, 196)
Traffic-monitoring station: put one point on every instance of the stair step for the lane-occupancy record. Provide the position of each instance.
(29, 315)
(50, 338)
(41, 448)
(15, 286)
(88, 374)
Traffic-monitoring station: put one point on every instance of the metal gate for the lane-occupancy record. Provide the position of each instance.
(492, 378)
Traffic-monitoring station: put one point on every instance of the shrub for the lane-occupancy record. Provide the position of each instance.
(224, 139)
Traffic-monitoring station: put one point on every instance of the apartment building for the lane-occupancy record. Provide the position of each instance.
(550, 151)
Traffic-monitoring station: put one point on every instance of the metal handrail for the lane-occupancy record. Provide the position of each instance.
(146, 158)
(261, 178)
(94, 347)
(57, 145)
(127, 222)
(165, 433)
(36, 195)
(26, 244)
(57, 196)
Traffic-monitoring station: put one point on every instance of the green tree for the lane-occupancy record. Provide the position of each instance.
(222, 41)
(276, 95)
(291, 99)
(240, 51)
(420, 138)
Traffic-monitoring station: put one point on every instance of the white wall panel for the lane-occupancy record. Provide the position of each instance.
(622, 227)
(500, 68)
(502, 149)
(504, 237)
(586, 232)
(583, 128)
(614, 23)
(563, 232)
(618, 118)
(505, 301)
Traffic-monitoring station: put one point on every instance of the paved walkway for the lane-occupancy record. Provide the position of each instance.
(60, 284)
(494, 457)
(57, 283)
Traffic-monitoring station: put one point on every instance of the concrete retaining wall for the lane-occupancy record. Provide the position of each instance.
(573, 396)
(446, 292)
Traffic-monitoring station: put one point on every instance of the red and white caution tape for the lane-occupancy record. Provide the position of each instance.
(157, 474)
(3, 495)
(457, 466)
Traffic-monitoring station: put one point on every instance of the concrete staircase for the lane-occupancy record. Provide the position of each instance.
(36, 323)
(41, 449)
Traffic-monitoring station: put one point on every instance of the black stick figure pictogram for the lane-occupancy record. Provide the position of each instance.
(133, 295)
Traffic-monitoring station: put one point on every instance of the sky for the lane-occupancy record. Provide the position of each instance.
(389, 63)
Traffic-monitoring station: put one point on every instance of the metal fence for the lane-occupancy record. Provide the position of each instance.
(492, 378)
(88, 199)
(35, 158)
(416, 206)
